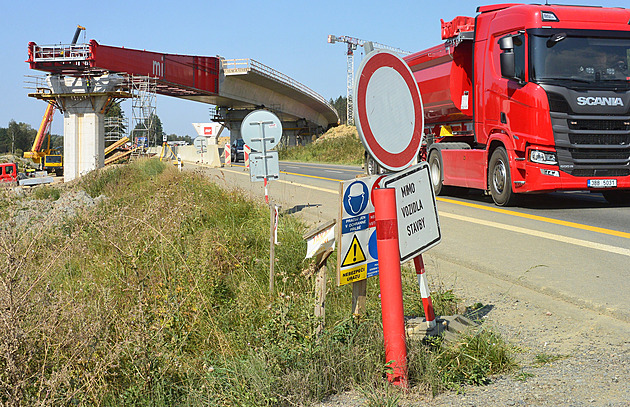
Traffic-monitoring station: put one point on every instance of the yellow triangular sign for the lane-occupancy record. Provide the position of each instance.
(355, 254)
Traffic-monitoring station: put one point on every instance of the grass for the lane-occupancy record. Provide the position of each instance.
(46, 192)
(545, 358)
(338, 146)
(159, 296)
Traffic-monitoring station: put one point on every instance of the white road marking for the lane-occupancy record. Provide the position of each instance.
(517, 229)
(537, 233)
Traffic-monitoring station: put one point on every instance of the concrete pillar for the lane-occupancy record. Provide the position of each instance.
(82, 101)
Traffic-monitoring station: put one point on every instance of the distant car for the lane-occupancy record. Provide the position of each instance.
(237, 150)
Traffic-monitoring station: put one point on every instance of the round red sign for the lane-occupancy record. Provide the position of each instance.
(389, 115)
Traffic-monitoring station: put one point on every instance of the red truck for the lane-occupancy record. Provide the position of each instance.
(529, 99)
(8, 173)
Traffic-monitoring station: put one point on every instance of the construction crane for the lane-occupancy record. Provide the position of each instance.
(353, 43)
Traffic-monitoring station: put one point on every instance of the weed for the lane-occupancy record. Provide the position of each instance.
(523, 376)
(46, 192)
(478, 354)
(544, 358)
(381, 394)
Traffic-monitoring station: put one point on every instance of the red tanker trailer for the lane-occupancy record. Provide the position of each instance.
(529, 99)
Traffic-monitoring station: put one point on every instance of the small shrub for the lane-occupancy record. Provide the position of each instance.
(46, 192)
(544, 358)
(473, 358)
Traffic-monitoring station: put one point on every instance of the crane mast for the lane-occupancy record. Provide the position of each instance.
(352, 44)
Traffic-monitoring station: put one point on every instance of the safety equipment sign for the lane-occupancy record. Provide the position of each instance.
(357, 259)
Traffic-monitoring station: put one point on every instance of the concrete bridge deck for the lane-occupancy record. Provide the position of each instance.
(229, 84)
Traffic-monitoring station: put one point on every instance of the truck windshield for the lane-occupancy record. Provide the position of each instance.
(53, 159)
(563, 58)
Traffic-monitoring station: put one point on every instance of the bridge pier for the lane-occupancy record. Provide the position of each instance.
(295, 132)
(83, 101)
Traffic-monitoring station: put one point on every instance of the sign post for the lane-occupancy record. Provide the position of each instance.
(320, 243)
(261, 131)
(390, 122)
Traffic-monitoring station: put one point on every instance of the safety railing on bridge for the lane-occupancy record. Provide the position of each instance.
(247, 64)
(61, 52)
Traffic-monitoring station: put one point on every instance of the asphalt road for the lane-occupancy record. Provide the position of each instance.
(572, 247)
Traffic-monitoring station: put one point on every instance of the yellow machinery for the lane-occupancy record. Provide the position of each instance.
(45, 158)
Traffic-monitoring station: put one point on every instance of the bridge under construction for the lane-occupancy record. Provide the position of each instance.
(83, 79)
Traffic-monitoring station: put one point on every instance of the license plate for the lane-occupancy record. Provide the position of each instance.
(602, 183)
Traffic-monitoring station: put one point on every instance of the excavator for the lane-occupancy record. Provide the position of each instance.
(46, 158)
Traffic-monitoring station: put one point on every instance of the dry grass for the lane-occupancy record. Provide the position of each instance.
(159, 296)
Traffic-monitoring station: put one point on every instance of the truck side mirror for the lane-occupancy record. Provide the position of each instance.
(508, 68)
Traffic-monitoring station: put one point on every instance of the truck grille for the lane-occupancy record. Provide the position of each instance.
(600, 139)
(583, 124)
(592, 147)
(582, 172)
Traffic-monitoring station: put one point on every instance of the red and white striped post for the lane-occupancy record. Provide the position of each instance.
(427, 304)
(228, 155)
(246, 150)
(266, 191)
(390, 280)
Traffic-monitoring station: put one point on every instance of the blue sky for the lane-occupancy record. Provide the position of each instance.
(289, 36)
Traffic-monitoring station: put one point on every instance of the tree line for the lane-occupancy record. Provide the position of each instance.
(19, 137)
(341, 104)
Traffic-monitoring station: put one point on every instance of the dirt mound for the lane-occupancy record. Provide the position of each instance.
(342, 130)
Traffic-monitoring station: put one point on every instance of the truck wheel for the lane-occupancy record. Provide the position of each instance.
(435, 171)
(499, 178)
(617, 197)
(371, 166)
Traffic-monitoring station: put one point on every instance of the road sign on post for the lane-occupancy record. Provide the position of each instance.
(357, 258)
(261, 131)
(418, 224)
(389, 115)
(264, 167)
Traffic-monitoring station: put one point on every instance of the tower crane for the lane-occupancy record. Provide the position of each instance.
(353, 43)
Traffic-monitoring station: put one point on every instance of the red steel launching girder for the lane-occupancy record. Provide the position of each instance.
(177, 75)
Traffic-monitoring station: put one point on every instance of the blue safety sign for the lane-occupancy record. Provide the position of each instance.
(356, 198)
(357, 235)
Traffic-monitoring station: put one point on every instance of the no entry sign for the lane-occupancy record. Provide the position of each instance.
(389, 115)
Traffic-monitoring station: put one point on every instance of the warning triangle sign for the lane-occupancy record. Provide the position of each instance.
(355, 254)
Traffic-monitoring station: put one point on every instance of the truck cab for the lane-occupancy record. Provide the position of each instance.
(8, 173)
(530, 99)
(53, 163)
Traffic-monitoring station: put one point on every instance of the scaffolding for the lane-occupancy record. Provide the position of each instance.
(143, 89)
(115, 128)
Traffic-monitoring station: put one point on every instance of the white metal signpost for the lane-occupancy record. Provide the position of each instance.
(262, 130)
(418, 224)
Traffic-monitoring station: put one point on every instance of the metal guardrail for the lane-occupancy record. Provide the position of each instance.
(61, 52)
(246, 64)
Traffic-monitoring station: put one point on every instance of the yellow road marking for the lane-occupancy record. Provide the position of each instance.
(539, 218)
(310, 176)
(297, 184)
(303, 175)
(537, 233)
(496, 210)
